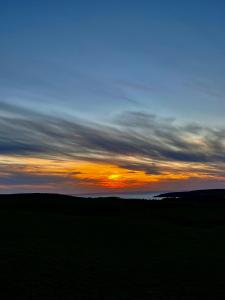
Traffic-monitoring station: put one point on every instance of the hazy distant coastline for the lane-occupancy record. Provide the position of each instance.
(135, 195)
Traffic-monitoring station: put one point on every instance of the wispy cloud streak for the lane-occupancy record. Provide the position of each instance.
(23, 131)
(135, 141)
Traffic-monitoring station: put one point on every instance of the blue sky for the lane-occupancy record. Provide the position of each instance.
(103, 56)
(98, 60)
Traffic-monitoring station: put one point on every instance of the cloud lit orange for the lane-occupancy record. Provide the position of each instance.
(92, 175)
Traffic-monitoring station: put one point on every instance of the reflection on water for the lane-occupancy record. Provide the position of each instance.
(138, 195)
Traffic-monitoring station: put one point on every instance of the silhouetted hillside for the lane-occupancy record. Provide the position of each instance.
(57, 203)
(63, 247)
(212, 195)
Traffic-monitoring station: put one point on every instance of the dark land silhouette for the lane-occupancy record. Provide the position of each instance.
(63, 247)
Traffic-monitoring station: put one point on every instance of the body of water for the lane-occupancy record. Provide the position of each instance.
(138, 195)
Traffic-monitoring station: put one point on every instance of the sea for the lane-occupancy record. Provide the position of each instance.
(135, 195)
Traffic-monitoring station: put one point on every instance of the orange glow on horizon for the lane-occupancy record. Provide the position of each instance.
(106, 175)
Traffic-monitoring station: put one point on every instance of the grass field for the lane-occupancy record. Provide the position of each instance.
(175, 252)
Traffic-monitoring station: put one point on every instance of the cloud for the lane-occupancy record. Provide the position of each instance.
(208, 88)
(150, 169)
(136, 85)
(29, 179)
(151, 140)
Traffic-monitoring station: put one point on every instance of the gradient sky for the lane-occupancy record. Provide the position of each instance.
(105, 96)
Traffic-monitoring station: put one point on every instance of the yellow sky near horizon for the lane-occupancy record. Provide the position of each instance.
(95, 175)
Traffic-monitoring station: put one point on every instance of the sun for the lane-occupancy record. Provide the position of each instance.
(114, 177)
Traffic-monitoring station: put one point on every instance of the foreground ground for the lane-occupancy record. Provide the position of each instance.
(142, 251)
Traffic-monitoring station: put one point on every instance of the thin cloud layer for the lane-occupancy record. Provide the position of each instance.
(25, 132)
(134, 141)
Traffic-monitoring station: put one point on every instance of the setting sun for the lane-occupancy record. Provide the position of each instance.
(114, 177)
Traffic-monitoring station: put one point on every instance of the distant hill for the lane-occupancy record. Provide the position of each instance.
(197, 195)
(80, 206)
(71, 205)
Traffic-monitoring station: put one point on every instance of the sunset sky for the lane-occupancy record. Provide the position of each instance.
(112, 96)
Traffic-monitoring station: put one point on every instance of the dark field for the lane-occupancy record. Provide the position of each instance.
(58, 247)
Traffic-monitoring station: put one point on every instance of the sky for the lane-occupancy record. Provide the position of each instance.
(108, 96)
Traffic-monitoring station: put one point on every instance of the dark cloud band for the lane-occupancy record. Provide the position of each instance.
(24, 132)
